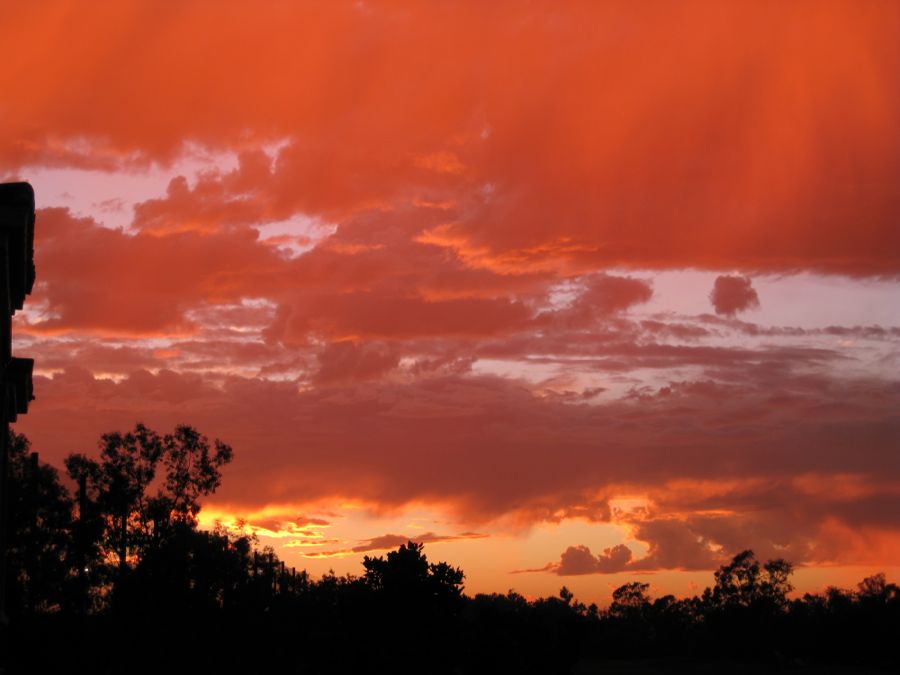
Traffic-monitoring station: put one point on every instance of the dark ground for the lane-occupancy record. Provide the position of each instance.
(670, 667)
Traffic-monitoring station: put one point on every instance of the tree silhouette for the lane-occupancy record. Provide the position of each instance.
(193, 470)
(743, 583)
(181, 586)
(876, 588)
(120, 513)
(414, 606)
(746, 612)
(406, 577)
(630, 601)
(119, 482)
(39, 564)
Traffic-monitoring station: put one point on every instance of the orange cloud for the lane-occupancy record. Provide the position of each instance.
(389, 541)
(404, 288)
(758, 136)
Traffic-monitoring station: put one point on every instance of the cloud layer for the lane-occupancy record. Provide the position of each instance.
(419, 265)
(536, 158)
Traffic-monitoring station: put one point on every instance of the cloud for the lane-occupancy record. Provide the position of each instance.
(712, 164)
(487, 447)
(733, 294)
(95, 279)
(409, 286)
(700, 525)
(579, 560)
(216, 202)
(349, 361)
(390, 541)
(600, 296)
(117, 284)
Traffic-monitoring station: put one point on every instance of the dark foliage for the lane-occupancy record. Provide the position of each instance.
(40, 566)
(117, 577)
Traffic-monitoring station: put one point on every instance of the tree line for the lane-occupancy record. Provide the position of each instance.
(116, 576)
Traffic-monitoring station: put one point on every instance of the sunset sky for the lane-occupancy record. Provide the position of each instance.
(574, 293)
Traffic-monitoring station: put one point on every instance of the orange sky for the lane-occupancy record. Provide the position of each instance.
(572, 292)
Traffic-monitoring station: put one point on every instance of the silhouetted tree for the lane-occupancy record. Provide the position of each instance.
(627, 619)
(119, 482)
(630, 601)
(123, 516)
(414, 605)
(746, 610)
(877, 590)
(185, 586)
(407, 578)
(742, 582)
(192, 470)
(39, 564)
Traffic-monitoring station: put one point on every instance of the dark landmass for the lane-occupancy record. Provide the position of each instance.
(116, 577)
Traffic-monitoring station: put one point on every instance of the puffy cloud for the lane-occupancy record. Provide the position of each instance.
(733, 294)
(216, 201)
(579, 560)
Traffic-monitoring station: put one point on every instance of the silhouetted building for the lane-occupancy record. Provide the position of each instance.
(16, 281)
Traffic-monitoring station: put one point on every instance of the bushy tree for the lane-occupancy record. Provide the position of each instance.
(118, 483)
(630, 601)
(39, 565)
(192, 470)
(745, 583)
(142, 490)
(745, 613)
(406, 577)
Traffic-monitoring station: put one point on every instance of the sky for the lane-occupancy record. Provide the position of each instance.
(573, 293)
